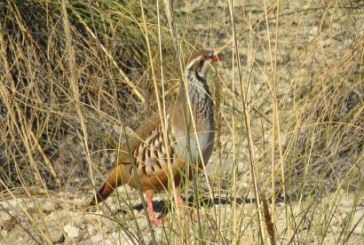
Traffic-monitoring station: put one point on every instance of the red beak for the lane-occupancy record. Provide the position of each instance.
(214, 57)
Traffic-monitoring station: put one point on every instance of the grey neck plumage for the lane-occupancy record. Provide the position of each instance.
(199, 94)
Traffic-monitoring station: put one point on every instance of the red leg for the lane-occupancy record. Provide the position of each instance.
(150, 209)
(181, 204)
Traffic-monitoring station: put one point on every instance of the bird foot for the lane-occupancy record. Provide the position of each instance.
(155, 221)
(194, 216)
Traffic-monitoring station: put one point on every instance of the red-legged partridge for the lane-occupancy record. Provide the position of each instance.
(148, 148)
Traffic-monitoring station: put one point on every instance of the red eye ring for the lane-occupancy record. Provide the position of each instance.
(213, 57)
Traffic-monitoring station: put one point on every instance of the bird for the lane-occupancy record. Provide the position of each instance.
(159, 151)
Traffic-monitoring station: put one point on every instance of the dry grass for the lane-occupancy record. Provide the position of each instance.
(289, 104)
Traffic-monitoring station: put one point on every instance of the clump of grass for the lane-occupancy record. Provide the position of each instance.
(327, 127)
(37, 103)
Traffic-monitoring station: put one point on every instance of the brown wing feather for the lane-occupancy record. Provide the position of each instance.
(123, 172)
(138, 137)
(150, 157)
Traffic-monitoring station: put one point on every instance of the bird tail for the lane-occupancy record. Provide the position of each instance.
(114, 180)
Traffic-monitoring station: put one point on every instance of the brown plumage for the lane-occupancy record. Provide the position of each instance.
(150, 155)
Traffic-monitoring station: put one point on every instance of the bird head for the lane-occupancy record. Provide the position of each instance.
(201, 63)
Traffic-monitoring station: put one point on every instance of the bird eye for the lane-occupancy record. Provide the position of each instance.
(205, 57)
(214, 57)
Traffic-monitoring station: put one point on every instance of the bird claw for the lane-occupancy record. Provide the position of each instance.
(194, 216)
(155, 221)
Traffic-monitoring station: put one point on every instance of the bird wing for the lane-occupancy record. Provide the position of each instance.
(135, 139)
(152, 156)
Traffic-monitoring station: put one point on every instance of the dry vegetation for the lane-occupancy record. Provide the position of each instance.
(288, 164)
